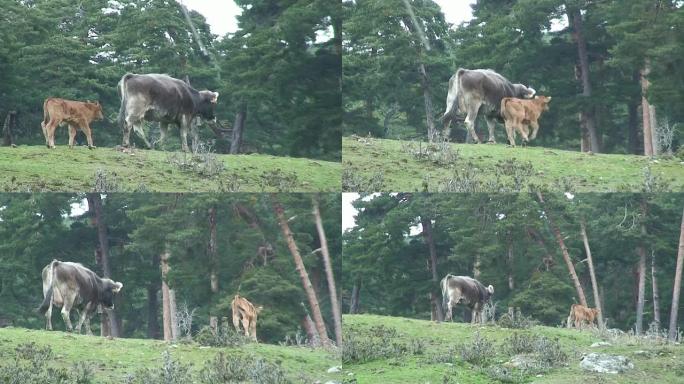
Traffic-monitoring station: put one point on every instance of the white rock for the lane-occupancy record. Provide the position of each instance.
(604, 363)
(334, 369)
(600, 344)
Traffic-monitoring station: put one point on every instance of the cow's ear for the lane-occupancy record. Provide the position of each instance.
(214, 97)
(259, 308)
(490, 289)
(117, 287)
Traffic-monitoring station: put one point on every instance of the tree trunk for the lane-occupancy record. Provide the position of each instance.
(633, 127)
(310, 330)
(8, 129)
(213, 278)
(648, 130)
(434, 295)
(355, 298)
(641, 292)
(174, 315)
(592, 273)
(427, 96)
(238, 129)
(587, 118)
(98, 221)
(511, 282)
(306, 283)
(152, 310)
(337, 317)
(672, 331)
(654, 290)
(166, 296)
(564, 251)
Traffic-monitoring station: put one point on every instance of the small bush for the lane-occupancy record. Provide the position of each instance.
(224, 336)
(519, 343)
(353, 182)
(465, 179)
(31, 366)
(504, 375)
(278, 179)
(202, 161)
(241, 369)
(517, 321)
(378, 342)
(106, 182)
(171, 372)
(478, 352)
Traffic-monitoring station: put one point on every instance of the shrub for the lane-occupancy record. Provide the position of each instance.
(278, 179)
(31, 366)
(224, 336)
(504, 375)
(378, 342)
(171, 372)
(478, 352)
(241, 369)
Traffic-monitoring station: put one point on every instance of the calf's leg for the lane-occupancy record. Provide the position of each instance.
(85, 127)
(252, 329)
(72, 135)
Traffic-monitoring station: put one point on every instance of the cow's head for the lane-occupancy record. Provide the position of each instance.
(96, 108)
(489, 291)
(543, 101)
(109, 289)
(207, 105)
(523, 92)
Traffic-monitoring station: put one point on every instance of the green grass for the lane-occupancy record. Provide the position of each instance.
(393, 165)
(664, 363)
(35, 168)
(113, 359)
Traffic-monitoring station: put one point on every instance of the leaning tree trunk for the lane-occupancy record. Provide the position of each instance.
(310, 330)
(152, 311)
(654, 290)
(8, 129)
(674, 309)
(592, 273)
(98, 221)
(564, 251)
(337, 317)
(167, 300)
(511, 281)
(427, 97)
(649, 130)
(434, 295)
(304, 276)
(587, 114)
(238, 129)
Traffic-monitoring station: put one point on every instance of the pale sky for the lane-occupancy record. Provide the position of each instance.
(220, 14)
(456, 11)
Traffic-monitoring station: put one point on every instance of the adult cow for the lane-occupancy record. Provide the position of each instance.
(161, 98)
(70, 285)
(246, 313)
(520, 114)
(476, 91)
(465, 290)
(77, 114)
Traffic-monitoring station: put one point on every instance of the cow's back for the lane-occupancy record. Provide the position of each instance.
(162, 92)
(469, 287)
(74, 276)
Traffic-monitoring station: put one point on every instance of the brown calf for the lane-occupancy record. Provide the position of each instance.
(246, 313)
(77, 114)
(519, 114)
(581, 314)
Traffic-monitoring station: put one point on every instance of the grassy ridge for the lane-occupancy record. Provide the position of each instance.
(35, 168)
(113, 359)
(438, 363)
(397, 165)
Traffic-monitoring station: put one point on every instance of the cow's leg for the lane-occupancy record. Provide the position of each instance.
(51, 127)
(252, 329)
(66, 309)
(491, 125)
(138, 128)
(127, 125)
(449, 311)
(72, 135)
(48, 317)
(446, 131)
(163, 130)
(245, 325)
(45, 135)
(236, 321)
(82, 318)
(472, 111)
(85, 127)
(185, 123)
(535, 129)
(510, 132)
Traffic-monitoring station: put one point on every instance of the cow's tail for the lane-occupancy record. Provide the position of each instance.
(453, 94)
(124, 96)
(47, 300)
(571, 316)
(444, 285)
(503, 107)
(45, 113)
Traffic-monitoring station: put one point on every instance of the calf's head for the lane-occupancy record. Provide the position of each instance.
(109, 289)
(207, 104)
(543, 101)
(96, 109)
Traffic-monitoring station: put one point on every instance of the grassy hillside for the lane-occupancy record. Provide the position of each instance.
(394, 165)
(112, 360)
(36, 168)
(419, 351)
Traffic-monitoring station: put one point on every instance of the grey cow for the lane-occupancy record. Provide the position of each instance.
(71, 285)
(465, 290)
(156, 97)
(475, 91)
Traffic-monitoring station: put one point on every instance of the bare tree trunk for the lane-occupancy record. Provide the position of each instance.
(511, 282)
(674, 309)
(633, 128)
(564, 251)
(174, 315)
(306, 283)
(427, 96)
(310, 329)
(98, 221)
(641, 250)
(592, 273)
(355, 298)
(166, 296)
(476, 266)
(648, 130)
(337, 317)
(213, 263)
(238, 129)
(587, 118)
(654, 290)
(8, 128)
(434, 295)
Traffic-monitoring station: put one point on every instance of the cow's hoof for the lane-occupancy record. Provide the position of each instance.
(91, 147)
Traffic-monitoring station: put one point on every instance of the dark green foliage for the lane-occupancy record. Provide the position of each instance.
(274, 67)
(32, 364)
(379, 342)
